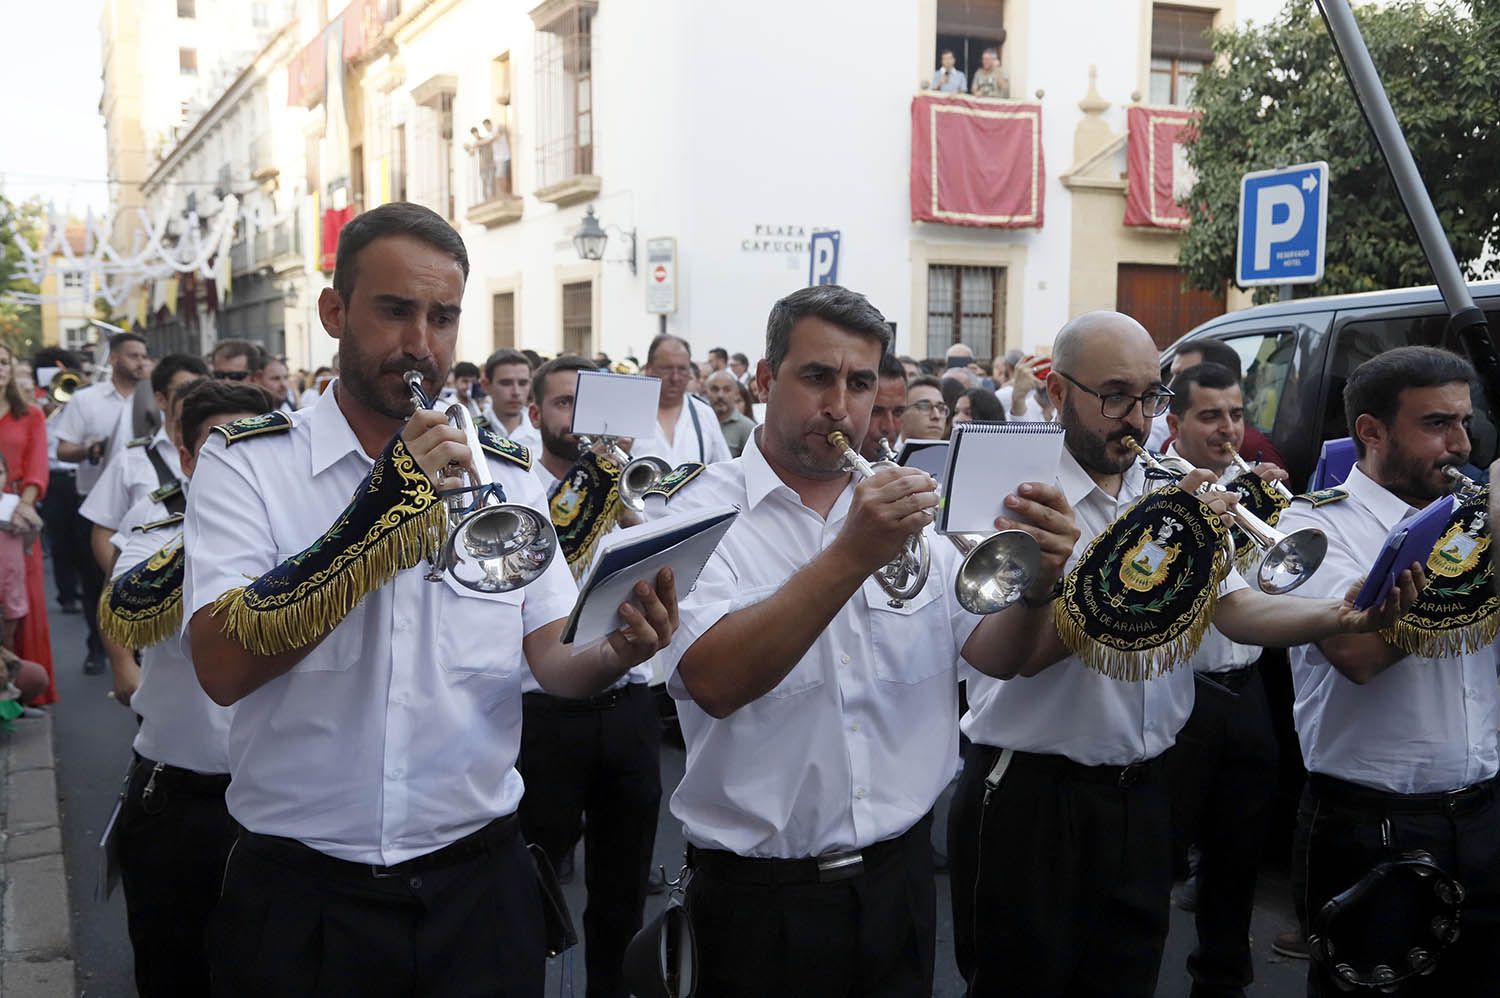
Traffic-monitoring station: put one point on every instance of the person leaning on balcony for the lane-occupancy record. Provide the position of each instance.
(990, 80)
(949, 79)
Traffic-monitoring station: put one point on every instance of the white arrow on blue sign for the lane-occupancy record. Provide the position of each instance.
(1283, 225)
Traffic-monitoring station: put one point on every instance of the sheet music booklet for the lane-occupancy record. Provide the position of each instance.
(989, 461)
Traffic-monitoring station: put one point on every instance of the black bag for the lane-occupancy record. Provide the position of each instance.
(557, 921)
(662, 960)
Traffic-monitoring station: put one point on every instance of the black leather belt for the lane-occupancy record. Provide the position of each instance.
(1063, 768)
(1353, 797)
(290, 852)
(184, 780)
(828, 868)
(1232, 680)
(599, 701)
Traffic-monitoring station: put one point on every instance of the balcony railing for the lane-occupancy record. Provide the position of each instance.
(491, 183)
(266, 248)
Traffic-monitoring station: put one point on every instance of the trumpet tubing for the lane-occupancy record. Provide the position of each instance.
(1240, 463)
(905, 575)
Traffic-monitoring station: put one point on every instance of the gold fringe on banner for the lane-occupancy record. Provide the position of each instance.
(143, 607)
(1443, 644)
(136, 632)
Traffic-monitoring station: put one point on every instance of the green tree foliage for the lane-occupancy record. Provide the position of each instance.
(20, 325)
(1278, 95)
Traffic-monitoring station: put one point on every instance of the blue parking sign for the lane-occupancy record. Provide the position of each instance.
(1283, 224)
(823, 265)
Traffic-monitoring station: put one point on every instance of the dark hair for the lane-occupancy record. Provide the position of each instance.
(719, 352)
(834, 304)
(1205, 375)
(230, 349)
(1375, 386)
(1214, 352)
(168, 367)
(924, 381)
(932, 365)
(662, 338)
(533, 359)
(201, 401)
(504, 355)
(464, 369)
(741, 358)
(891, 366)
(946, 52)
(567, 362)
(55, 357)
(398, 218)
(952, 389)
(120, 339)
(263, 360)
(984, 406)
(747, 399)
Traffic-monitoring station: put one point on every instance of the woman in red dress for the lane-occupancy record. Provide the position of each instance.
(23, 441)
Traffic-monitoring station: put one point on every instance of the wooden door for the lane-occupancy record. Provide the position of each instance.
(1155, 297)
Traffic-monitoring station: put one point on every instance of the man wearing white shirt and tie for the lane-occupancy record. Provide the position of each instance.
(820, 714)
(687, 429)
(1223, 772)
(1400, 748)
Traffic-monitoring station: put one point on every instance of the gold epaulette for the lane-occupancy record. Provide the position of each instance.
(139, 441)
(1323, 497)
(164, 492)
(503, 447)
(254, 426)
(676, 480)
(166, 521)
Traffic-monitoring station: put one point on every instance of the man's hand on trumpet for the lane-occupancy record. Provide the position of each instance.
(888, 508)
(1043, 512)
(439, 448)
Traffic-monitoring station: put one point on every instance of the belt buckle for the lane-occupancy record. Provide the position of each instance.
(1130, 775)
(840, 866)
(382, 873)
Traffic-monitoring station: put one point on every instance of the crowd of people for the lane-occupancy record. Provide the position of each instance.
(354, 774)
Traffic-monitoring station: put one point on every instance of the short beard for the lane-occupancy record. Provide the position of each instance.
(363, 384)
(563, 446)
(1407, 477)
(796, 456)
(1089, 449)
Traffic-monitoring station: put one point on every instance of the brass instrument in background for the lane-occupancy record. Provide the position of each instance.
(493, 546)
(905, 575)
(1467, 487)
(636, 476)
(1289, 559)
(64, 386)
(1245, 466)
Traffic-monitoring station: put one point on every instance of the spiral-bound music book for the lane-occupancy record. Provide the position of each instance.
(989, 461)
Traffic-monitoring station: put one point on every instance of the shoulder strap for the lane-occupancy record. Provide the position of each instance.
(697, 427)
(174, 499)
(275, 421)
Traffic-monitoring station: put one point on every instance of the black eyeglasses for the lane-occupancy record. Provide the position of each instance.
(1117, 405)
(231, 375)
(927, 405)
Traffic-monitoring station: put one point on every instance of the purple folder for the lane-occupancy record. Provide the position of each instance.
(1411, 540)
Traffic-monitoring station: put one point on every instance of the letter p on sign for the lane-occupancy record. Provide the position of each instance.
(823, 267)
(1283, 222)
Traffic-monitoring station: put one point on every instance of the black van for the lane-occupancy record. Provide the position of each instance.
(1297, 354)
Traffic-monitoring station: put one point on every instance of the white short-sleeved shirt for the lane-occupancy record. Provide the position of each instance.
(180, 725)
(398, 733)
(1217, 653)
(1069, 709)
(1424, 725)
(128, 478)
(525, 434)
(94, 413)
(858, 740)
(703, 443)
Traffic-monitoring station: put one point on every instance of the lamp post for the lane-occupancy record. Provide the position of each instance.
(590, 238)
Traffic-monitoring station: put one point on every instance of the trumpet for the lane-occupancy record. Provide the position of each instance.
(1240, 463)
(905, 575)
(636, 476)
(1289, 559)
(1467, 487)
(63, 386)
(493, 546)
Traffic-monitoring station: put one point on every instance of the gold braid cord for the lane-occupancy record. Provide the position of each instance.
(394, 521)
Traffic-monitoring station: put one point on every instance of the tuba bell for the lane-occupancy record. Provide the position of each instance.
(493, 546)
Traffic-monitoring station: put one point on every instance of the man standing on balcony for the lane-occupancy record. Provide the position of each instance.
(990, 80)
(687, 429)
(949, 79)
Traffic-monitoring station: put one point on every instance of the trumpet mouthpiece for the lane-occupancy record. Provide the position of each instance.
(838, 439)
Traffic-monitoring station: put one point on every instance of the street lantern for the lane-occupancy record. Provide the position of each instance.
(590, 238)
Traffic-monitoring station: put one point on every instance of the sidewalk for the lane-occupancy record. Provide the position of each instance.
(36, 943)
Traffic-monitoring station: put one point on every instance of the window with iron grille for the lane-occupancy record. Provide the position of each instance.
(564, 88)
(432, 146)
(503, 319)
(965, 305)
(578, 318)
(1179, 51)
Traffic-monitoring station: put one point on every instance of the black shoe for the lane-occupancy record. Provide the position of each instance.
(656, 882)
(93, 665)
(69, 606)
(565, 870)
(1290, 944)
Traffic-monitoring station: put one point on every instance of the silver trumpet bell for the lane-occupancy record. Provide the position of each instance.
(636, 476)
(904, 576)
(996, 568)
(493, 546)
(1289, 559)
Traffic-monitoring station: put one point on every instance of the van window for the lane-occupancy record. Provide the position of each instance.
(1266, 363)
(1359, 340)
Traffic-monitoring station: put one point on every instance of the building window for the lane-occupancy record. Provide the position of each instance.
(578, 318)
(503, 318)
(489, 143)
(965, 305)
(565, 101)
(398, 163)
(187, 62)
(187, 8)
(968, 27)
(1179, 51)
(72, 280)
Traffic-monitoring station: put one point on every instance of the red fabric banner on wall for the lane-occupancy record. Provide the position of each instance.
(976, 162)
(1157, 170)
(334, 220)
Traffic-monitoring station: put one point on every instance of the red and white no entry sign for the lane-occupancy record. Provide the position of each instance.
(660, 274)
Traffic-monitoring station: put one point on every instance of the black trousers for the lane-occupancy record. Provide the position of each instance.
(1338, 844)
(593, 767)
(293, 922)
(1223, 777)
(91, 580)
(1061, 881)
(872, 935)
(173, 842)
(59, 508)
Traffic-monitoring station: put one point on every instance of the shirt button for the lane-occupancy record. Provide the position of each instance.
(859, 793)
(400, 698)
(397, 774)
(402, 624)
(854, 726)
(415, 883)
(844, 659)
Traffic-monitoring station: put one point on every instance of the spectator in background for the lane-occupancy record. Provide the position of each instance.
(926, 414)
(990, 80)
(271, 373)
(910, 366)
(321, 378)
(933, 367)
(949, 79)
(533, 358)
(23, 444)
(740, 365)
(60, 501)
(506, 380)
(724, 395)
(1026, 398)
(978, 405)
(234, 360)
(887, 412)
(718, 360)
(747, 402)
(1256, 448)
(687, 429)
(498, 143)
(602, 361)
(1004, 368)
(465, 377)
(695, 384)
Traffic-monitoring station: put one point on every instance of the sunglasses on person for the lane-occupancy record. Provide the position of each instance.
(231, 375)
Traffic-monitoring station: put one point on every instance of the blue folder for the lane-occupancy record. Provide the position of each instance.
(1411, 540)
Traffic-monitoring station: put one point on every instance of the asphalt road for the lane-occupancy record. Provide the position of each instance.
(93, 736)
